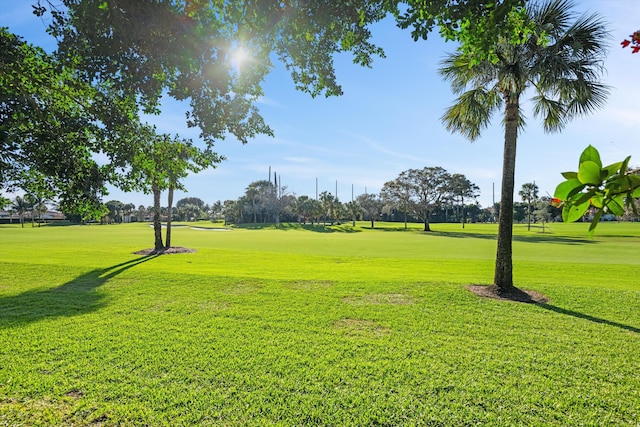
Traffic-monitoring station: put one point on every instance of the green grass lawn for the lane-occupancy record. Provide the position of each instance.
(317, 326)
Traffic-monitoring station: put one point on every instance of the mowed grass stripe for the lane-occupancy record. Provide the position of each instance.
(227, 336)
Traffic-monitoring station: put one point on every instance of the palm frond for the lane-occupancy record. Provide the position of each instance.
(461, 72)
(472, 112)
(553, 17)
(586, 37)
(552, 111)
(568, 70)
(586, 98)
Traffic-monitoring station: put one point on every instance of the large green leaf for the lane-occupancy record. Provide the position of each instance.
(597, 201)
(571, 212)
(566, 189)
(590, 154)
(625, 165)
(635, 180)
(615, 205)
(613, 168)
(580, 198)
(570, 175)
(589, 173)
(594, 222)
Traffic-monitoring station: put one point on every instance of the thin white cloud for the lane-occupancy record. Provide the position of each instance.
(265, 100)
(303, 160)
(384, 150)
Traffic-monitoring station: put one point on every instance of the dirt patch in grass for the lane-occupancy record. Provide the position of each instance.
(241, 288)
(361, 327)
(516, 295)
(379, 299)
(76, 394)
(310, 285)
(166, 251)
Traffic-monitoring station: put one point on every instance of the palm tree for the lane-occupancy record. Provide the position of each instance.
(529, 193)
(21, 206)
(327, 200)
(559, 57)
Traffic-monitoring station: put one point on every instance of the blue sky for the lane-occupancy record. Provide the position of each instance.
(388, 120)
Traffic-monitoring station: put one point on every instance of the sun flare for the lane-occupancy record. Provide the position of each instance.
(239, 57)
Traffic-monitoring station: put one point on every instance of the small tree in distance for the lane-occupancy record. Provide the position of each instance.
(529, 194)
(461, 188)
(159, 162)
(371, 204)
(396, 194)
(420, 191)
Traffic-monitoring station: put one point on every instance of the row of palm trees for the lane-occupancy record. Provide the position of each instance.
(29, 205)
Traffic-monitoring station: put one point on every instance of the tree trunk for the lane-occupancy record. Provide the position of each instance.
(170, 205)
(462, 203)
(503, 278)
(157, 225)
(405, 219)
(528, 214)
(372, 222)
(253, 207)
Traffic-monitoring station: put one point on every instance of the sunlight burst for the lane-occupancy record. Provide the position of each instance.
(240, 56)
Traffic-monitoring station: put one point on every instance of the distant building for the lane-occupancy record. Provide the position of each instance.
(49, 215)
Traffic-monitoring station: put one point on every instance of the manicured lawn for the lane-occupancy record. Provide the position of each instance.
(313, 326)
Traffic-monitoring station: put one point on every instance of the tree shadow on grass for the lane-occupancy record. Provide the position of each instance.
(288, 226)
(385, 228)
(588, 317)
(537, 238)
(76, 297)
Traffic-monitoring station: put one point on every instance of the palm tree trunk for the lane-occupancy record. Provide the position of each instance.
(170, 203)
(462, 204)
(157, 225)
(503, 278)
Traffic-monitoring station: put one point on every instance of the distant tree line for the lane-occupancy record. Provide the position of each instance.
(428, 195)
(424, 195)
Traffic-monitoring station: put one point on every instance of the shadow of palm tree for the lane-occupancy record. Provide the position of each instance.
(288, 226)
(537, 238)
(588, 317)
(73, 298)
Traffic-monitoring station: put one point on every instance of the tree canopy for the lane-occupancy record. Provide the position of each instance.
(118, 57)
(51, 125)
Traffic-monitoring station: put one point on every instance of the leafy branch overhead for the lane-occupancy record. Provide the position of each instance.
(607, 189)
(634, 42)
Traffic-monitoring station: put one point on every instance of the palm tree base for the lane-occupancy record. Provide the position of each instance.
(512, 294)
(165, 251)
